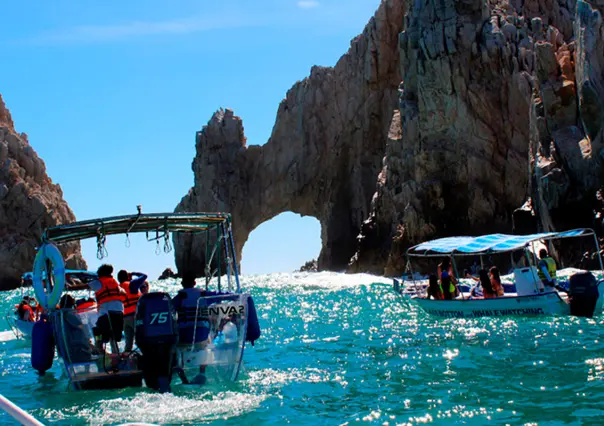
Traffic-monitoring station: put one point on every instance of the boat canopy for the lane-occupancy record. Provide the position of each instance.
(159, 223)
(74, 272)
(486, 244)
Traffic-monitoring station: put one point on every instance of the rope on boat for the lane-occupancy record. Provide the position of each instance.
(101, 250)
(17, 413)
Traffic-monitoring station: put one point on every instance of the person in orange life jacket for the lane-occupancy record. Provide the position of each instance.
(192, 327)
(24, 310)
(109, 297)
(131, 287)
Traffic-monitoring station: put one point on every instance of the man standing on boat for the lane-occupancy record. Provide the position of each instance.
(109, 297)
(193, 326)
(131, 287)
(547, 269)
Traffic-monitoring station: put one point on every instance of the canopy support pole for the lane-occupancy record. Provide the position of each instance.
(536, 279)
(598, 249)
(235, 268)
(206, 268)
(218, 242)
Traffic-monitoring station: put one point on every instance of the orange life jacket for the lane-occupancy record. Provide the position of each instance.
(28, 314)
(130, 300)
(85, 306)
(111, 291)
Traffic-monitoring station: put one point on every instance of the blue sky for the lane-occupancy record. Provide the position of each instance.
(111, 94)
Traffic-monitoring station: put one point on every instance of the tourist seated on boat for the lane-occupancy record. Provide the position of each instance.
(109, 297)
(547, 269)
(495, 279)
(74, 340)
(85, 304)
(448, 282)
(145, 288)
(434, 290)
(37, 308)
(132, 289)
(484, 283)
(24, 310)
(186, 305)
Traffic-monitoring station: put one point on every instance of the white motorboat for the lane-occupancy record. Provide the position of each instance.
(224, 315)
(524, 295)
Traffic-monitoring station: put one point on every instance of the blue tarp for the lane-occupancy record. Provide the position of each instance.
(489, 243)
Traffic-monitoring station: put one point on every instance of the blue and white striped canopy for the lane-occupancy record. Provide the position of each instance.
(488, 243)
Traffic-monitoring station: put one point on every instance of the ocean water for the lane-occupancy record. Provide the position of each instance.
(345, 350)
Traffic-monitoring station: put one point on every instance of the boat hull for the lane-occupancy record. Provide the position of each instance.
(533, 305)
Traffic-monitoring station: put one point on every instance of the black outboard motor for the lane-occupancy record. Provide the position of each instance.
(156, 337)
(583, 294)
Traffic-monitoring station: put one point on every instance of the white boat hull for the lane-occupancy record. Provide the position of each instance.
(540, 304)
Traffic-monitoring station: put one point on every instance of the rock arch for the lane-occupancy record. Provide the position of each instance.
(322, 158)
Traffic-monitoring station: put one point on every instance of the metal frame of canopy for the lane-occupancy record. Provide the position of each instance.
(432, 249)
(162, 224)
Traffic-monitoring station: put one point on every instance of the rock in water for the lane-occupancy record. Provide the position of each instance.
(168, 273)
(310, 266)
(321, 159)
(500, 102)
(29, 203)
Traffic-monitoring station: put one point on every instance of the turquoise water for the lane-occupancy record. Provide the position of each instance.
(342, 349)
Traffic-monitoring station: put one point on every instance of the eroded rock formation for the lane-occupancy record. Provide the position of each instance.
(29, 203)
(490, 114)
(321, 159)
(500, 102)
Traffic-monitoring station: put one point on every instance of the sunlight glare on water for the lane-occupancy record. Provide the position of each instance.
(343, 349)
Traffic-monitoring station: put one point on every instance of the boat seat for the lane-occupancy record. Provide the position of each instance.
(527, 281)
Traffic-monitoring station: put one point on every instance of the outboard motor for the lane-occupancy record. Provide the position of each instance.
(583, 294)
(157, 337)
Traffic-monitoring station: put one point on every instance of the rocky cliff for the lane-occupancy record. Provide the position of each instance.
(499, 103)
(29, 202)
(322, 157)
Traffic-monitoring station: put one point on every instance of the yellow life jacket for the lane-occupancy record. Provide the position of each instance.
(551, 268)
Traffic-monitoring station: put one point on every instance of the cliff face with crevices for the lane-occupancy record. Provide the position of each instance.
(321, 159)
(500, 102)
(29, 203)
(503, 107)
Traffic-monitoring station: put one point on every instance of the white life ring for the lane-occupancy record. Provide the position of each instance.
(51, 253)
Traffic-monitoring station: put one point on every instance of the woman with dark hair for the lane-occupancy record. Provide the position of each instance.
(448, 282)
(495, 280)
(434, 289)
(483, 281)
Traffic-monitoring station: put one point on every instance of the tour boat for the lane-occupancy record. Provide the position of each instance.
(225, 313)
(524, 295)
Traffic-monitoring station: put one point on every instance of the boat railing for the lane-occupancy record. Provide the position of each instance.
(10, 320)
(17, 413)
